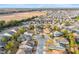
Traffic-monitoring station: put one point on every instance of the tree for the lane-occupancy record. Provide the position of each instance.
(56, 28)
(12, 46)
(48, 25)
(31, 27)
(77, 18)
(67, 23)
(56, 20)
(48, 42)
(65, 33)
(72, 43)
(21, 30)
(4, 39)
(2, 23)
(9, 45)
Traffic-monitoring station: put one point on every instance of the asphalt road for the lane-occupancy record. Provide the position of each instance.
(41, 43)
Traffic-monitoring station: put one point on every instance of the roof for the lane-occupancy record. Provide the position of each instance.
(77, 31)
(11, 33)
(2, 44)
(56, 33)
(6, 34)
(14, 30)
(26, 33)
(62, 40)
(56, 48)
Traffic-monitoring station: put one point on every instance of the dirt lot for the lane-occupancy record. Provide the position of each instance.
(20, 16)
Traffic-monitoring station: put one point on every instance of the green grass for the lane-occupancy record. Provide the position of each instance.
(77, 18)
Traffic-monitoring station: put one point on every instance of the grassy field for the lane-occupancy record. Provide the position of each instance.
(20, 16)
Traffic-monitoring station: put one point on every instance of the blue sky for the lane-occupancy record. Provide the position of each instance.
(39, 5)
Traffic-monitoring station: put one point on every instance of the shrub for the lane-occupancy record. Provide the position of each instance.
(4, 39)
(67, 23)
(31, 27)
(65, 33)
(12, 23)
(2, 23)
(77, 18)
(9, 45)
(56, 28)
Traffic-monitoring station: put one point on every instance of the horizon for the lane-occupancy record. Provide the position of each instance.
(39, 5)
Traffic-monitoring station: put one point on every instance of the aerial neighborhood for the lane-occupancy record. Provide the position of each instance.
(40, 31)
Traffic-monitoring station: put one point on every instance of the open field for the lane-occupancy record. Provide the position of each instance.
(20, 16)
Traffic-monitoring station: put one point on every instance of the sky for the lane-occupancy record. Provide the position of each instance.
(39, 5)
